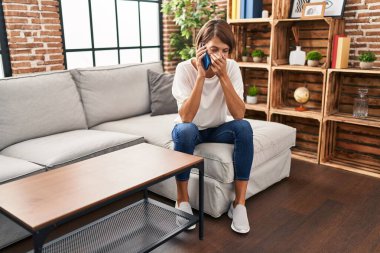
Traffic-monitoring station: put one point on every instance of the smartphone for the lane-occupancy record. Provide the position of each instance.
(206, 60)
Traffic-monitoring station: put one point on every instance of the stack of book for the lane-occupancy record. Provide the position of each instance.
(242, 9)
(340, 51)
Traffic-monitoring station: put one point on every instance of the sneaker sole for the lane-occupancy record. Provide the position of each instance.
(239, 231)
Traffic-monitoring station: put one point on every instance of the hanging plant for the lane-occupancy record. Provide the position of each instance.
(190, 16)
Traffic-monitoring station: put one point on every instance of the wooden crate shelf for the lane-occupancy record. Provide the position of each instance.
(252, 36)
(261, 107)
(256, 114)
(285, 82)
(300, 68)
(351, 147)
(308, 135)
(261, 78)
(267, 5)
(342, 87)
(314, 34)
(254, 65)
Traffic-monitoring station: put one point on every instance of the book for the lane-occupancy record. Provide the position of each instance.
(233, 9)
(237, 8)
(253, 8)
(343, 52)
(242, 8)
(334, 49)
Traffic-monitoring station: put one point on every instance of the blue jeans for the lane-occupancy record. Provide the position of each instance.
(238, 132)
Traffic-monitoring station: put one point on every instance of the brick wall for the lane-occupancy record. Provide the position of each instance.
(362, 24)
(34, 35)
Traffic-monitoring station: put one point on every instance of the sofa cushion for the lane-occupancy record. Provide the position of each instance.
(162, 99)
(38, 105)
(64, 148)
(113, 93)
(12, 168)
(270, 139)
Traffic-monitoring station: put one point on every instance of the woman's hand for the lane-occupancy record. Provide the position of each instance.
(219, 64)
(201, 52)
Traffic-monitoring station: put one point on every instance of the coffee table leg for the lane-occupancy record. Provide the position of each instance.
(201, 201)
(39, 239)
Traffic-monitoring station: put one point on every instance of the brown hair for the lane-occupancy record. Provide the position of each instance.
(216, 28)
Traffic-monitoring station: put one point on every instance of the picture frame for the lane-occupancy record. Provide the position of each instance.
(313, 10)
(334, 8)
(296, 8)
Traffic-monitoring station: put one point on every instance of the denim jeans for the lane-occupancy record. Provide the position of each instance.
(238, 132)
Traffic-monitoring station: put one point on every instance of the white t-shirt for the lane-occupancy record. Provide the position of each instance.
(213, 109)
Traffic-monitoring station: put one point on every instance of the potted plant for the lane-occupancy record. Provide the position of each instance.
(313, 58)
(252, 94)
(366, 60)
(245, 54)
(257, 55)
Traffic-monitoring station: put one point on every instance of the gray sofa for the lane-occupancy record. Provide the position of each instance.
(53, 119)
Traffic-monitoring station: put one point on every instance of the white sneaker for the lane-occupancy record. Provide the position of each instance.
(240, 223)
(185, 207)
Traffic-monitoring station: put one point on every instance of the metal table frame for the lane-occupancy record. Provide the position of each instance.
(39, 236)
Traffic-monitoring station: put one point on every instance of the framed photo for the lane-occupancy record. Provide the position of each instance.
(334, 8)
(313, 10)
(296, 8)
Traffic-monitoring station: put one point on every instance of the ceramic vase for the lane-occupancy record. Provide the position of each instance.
(297, 57)
(251, 99)
(366, 65)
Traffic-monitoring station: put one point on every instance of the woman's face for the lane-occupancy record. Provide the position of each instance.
(217, 47)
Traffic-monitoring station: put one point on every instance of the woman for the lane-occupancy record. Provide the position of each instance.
(211, 109)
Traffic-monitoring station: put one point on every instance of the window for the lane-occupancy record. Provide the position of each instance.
(5, 66)
(98, 32)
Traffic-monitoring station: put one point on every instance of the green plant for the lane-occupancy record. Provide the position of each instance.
(367, 57)
(253, 91)
(190, 16)
(258, 53)
(245, 52)
(314, 56)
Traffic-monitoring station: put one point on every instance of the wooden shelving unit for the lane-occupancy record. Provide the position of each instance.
(347, 142)
(277, 80)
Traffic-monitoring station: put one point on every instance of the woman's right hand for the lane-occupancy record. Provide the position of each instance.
(201, 52)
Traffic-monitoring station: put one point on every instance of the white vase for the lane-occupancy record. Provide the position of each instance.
(251, 99)
(366, 65)
(312, 63)
(257, 59)
(244, 58)
(297, 57)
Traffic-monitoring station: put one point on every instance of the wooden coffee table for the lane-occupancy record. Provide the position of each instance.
(42, 202)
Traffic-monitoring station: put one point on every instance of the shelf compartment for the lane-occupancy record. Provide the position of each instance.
(267, 5)
(342, 87)
(256, 115)
(307, 138)
(254, 36)
(285, 82)
(261, 78)
(351, 147)
(314, 34)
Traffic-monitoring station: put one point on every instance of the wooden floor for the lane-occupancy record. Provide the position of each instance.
(317, 209)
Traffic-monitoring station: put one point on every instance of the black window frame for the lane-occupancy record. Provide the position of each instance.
(118, 48)
(4, 50)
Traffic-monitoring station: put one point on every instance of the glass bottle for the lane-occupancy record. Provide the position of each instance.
(361, 104)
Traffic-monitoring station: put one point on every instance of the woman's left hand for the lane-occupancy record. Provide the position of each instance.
(219, 64)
